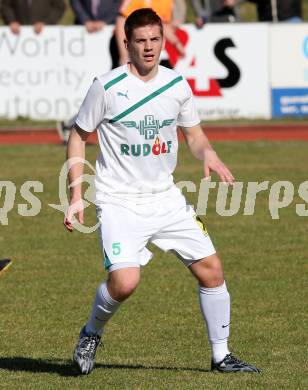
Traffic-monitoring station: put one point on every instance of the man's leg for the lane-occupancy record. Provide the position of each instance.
(214, 303)
(215, 307)
(120, 285)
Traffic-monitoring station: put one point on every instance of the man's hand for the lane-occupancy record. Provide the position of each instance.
(213, 163)
(201, 148)
(228, 3)
(199, 22)
(94, 25)
(15, 28)
(99, 25)
(90, 26)
(75, 207)
(38, 27)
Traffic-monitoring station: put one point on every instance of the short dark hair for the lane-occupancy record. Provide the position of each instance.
(140, 18)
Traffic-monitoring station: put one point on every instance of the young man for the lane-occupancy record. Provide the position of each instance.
(136, 109)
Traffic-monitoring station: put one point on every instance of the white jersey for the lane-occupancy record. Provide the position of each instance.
(137, 124)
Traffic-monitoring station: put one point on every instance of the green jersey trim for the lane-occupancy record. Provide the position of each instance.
(146, 99)
(114, 81)
(107, 262)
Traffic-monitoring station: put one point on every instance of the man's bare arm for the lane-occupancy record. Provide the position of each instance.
(120, 38)
(171, 37)
(201, 148)
(75, 151)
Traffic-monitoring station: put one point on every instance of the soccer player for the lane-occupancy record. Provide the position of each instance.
(4, 265)
(136, 109)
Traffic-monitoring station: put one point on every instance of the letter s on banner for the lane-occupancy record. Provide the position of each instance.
(23, 209)
(303, 193)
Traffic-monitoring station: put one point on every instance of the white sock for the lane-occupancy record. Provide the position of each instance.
(215, 308)
(103, 309)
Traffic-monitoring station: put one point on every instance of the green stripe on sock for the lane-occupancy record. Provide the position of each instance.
(114, 81)
(146, 99)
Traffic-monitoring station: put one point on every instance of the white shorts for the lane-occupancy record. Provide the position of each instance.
(169, 223)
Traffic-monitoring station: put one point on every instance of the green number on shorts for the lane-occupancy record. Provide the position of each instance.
(116, 248)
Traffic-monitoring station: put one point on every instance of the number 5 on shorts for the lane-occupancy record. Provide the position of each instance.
(116, 248)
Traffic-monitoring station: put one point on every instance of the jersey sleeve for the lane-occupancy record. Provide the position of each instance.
(93, 108)
(188, 115)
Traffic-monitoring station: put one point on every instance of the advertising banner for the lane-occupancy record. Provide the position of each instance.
(227, 69)
(46, 76)
(289, 70)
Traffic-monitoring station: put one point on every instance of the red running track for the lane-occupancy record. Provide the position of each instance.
(269, 132)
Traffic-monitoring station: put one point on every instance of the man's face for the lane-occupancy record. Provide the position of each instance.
(144, 47)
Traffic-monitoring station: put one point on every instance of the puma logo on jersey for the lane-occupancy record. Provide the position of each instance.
(123, 94)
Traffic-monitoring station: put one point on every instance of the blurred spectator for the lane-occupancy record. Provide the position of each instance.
(95, 14)
(163, 8)
(279, 10)
(215, 11)
(179, 12)
(31, 12)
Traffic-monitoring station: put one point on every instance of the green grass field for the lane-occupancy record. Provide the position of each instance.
(157, 340)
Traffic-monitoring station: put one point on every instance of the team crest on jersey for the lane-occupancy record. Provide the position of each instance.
(148, 127)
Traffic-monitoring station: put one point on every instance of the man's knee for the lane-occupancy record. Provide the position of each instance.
(213, 264)
(208, 271)
(123, 290)
(122, 283)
